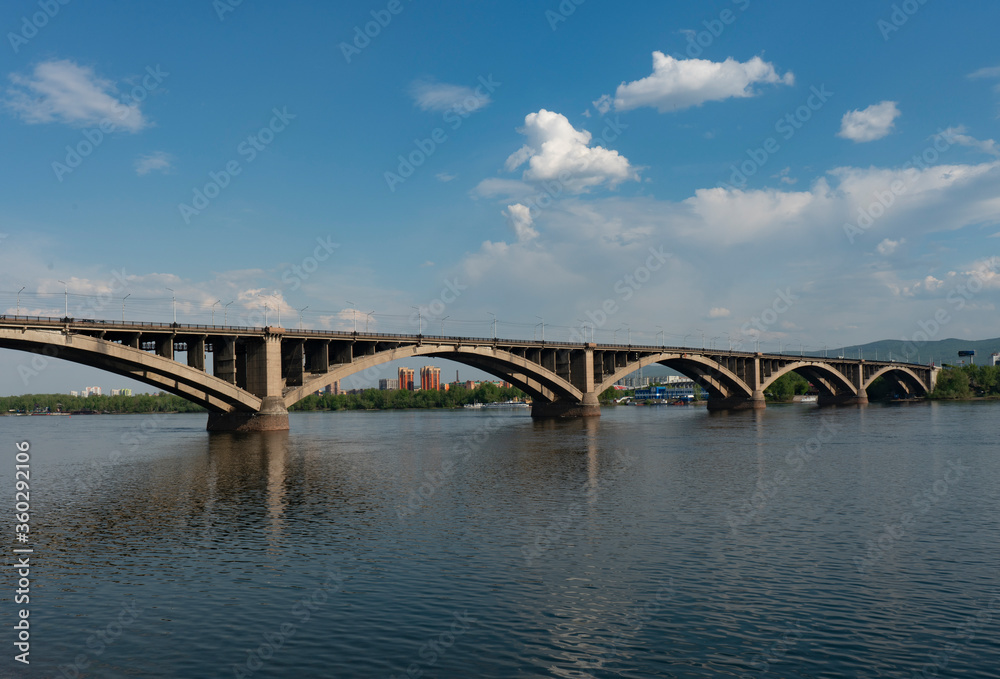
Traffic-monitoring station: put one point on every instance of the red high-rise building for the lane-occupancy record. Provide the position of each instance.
(406, 378)
(430, 378)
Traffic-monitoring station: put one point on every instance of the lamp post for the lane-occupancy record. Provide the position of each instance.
(494, 323)
(225, 316)
(543, 326)
(354, 307)
(614, 336)
(300, 315)
(420, 327)
(173, 304)
(123, 305)
(442, 324)
(684, 343)
(663, 341)
(584, 326)
(367, 316)
(218, 301)
(18, 312)
(629, 328)
(66, 293)
(712, 340)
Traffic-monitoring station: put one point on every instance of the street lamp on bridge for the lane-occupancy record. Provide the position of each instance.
(367, 316)
(123, 305)
(494, 323)
(173, 304)
(543, 326)
(420, 327)
(663, 341)
(218, 301)
(300, 315)
(442, 325)
(18, 312)
(354, 307)
(225, 316)
(584, 324)
(66, 293)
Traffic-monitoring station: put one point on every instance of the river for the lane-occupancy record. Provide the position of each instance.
(653, 541)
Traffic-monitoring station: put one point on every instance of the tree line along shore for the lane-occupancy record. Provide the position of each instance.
(967, 382)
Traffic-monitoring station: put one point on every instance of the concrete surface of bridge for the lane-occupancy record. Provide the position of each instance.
(258, 373)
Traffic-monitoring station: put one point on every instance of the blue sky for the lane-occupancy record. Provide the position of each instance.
(530, 157)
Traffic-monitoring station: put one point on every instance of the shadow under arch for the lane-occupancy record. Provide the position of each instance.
(541, 384)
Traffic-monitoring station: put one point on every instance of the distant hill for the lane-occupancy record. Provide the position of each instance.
(938, 351)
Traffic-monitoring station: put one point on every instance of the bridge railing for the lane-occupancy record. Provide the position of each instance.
(341, 334)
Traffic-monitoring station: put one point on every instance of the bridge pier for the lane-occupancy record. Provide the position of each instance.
(755, 402)
(271, 417)
(588, 407)
(843, 399)
(263, 371)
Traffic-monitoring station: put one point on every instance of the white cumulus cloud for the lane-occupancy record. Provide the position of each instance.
(718, 312)
(887, 246)
(870, 123)
(557, 151)
(957, 135)
(64, 92)
(519, 218)
(681, 83)
(156, 161)
(435, 96)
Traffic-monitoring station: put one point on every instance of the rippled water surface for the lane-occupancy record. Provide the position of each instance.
(667, 542)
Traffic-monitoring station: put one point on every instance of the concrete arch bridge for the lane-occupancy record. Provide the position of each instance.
(258, 373)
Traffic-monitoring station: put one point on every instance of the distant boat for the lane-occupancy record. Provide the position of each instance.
(474, 405)
(506, 404)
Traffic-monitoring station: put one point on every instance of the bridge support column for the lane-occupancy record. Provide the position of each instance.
(224, 358)
(756, 402)
(579, 364)
(588, 407)
(846, 398)
(740, 402)
(264, 380)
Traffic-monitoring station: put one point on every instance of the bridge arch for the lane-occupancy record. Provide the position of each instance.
(828, 379)
(718, 380)
(539, 383)
(902, 375)
(212, 393)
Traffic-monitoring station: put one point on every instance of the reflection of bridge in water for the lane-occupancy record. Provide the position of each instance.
(258, 373)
